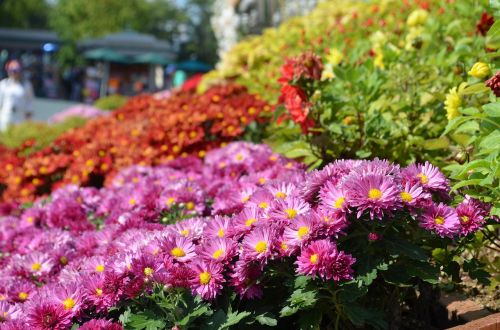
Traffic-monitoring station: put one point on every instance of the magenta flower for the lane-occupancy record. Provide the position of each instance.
(217, 227)
(99, 324)
(301, 231)
(429, 176)
(8, 312)
(48, 315)
(441, 219)
(69, 296)
(377, 194)
(218, 250)
(333, 198)
(178, 248)
(282, 190)
(244, 280)
(37, 264)
(245, 221)
(471, 215)
(322, 259)
(289, 209)
(413, 194)
(259, 244)
(207, 279)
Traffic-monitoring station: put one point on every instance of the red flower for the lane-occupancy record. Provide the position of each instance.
(494, 84)
(483, 26)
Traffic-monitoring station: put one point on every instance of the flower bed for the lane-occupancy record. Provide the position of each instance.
(147, 130)
(245, 224)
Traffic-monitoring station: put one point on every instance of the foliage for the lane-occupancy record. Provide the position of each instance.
(111, 102)
(243, 239)
(147, 130)
(386, 68)
(33, 136)
(25, 14)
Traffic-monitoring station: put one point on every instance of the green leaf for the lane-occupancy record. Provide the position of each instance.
(475, 89)
(435, 144)
(425, 271)
(75, 326)
(216, 321)
(351, 292)
(146, 320)
(267, 319)
(471, 182)
(300, 299)
(125, 317)
(397, 275)
(234, 318)
(492, 109)
(193, 315)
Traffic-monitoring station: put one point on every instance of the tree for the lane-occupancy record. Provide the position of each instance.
(24, 14)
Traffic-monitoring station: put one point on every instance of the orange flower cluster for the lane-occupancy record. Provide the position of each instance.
(145, 131)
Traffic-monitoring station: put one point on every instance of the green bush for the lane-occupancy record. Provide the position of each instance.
(111, 102)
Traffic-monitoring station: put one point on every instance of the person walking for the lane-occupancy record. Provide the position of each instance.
(16, 94)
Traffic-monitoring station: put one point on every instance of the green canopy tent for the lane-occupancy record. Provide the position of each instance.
(152, 58)
(105, 55)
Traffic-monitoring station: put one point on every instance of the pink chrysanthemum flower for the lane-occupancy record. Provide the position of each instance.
(207, 280)
(93, 287)
(413, 194)
(322, 259)
(96, 264)
(333, 197)
(21, 290)
(69, 296)
(471, 216)
(100, 325)
(191, 228)
(374, 193)
(301, 231)
(245, 221)
(7, 312)
(259, 244)
(332, 223)
(244, 280)
(179, 248)
(218, 250)
(47, 315)
(289, 209)
(145, 266)
(282, 190)
(217, 227)
(37, 264)
(441, 219)
(429, 176)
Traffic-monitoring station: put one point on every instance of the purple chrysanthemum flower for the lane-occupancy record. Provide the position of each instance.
(48, 315)
(471, 215)
(374, 193)
(289, 209)
(321, 258)
(429, 176)
(179, 248)
(244, 280)
(217, 227)
(99, 324)
(259, 244)
(207, 279)
(332, 197)
(218, 250)
(441, 219)
(301, 231)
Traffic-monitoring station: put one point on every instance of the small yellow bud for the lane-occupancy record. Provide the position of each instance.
(479, 70)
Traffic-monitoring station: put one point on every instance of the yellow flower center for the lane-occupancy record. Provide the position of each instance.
(205, 278)
(177, 252)
(189, 206)
(69, 303)
(148, 271)
(132, 202)
(36, 266)
(375, 194)
(23, 296)
(170, 201)
(464, 219)
(262, 180)
(405, 196)
(99, 268)
(314, 259)
(439, 220)
(263, 205)
(261, 247)
(245, 199)
(250, 221)
(63, 260)
(98, 292)
(217, 254)
(302, 232)
(284, 247)
(423, 178)
(280, 195)
(239, 157)
(339, 203)
(184, 232)
(291, 213)
(220, 233)
(29, 219)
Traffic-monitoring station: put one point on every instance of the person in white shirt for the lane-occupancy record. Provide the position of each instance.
(16, 94)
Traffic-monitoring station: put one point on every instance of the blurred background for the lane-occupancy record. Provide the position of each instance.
(88, 51)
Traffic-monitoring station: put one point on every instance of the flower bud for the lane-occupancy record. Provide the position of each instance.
(479, 70)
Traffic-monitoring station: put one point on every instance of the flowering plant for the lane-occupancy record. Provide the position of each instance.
(147, 130)
(244, 237)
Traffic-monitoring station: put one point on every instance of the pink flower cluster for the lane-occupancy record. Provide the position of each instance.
(74, 256)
